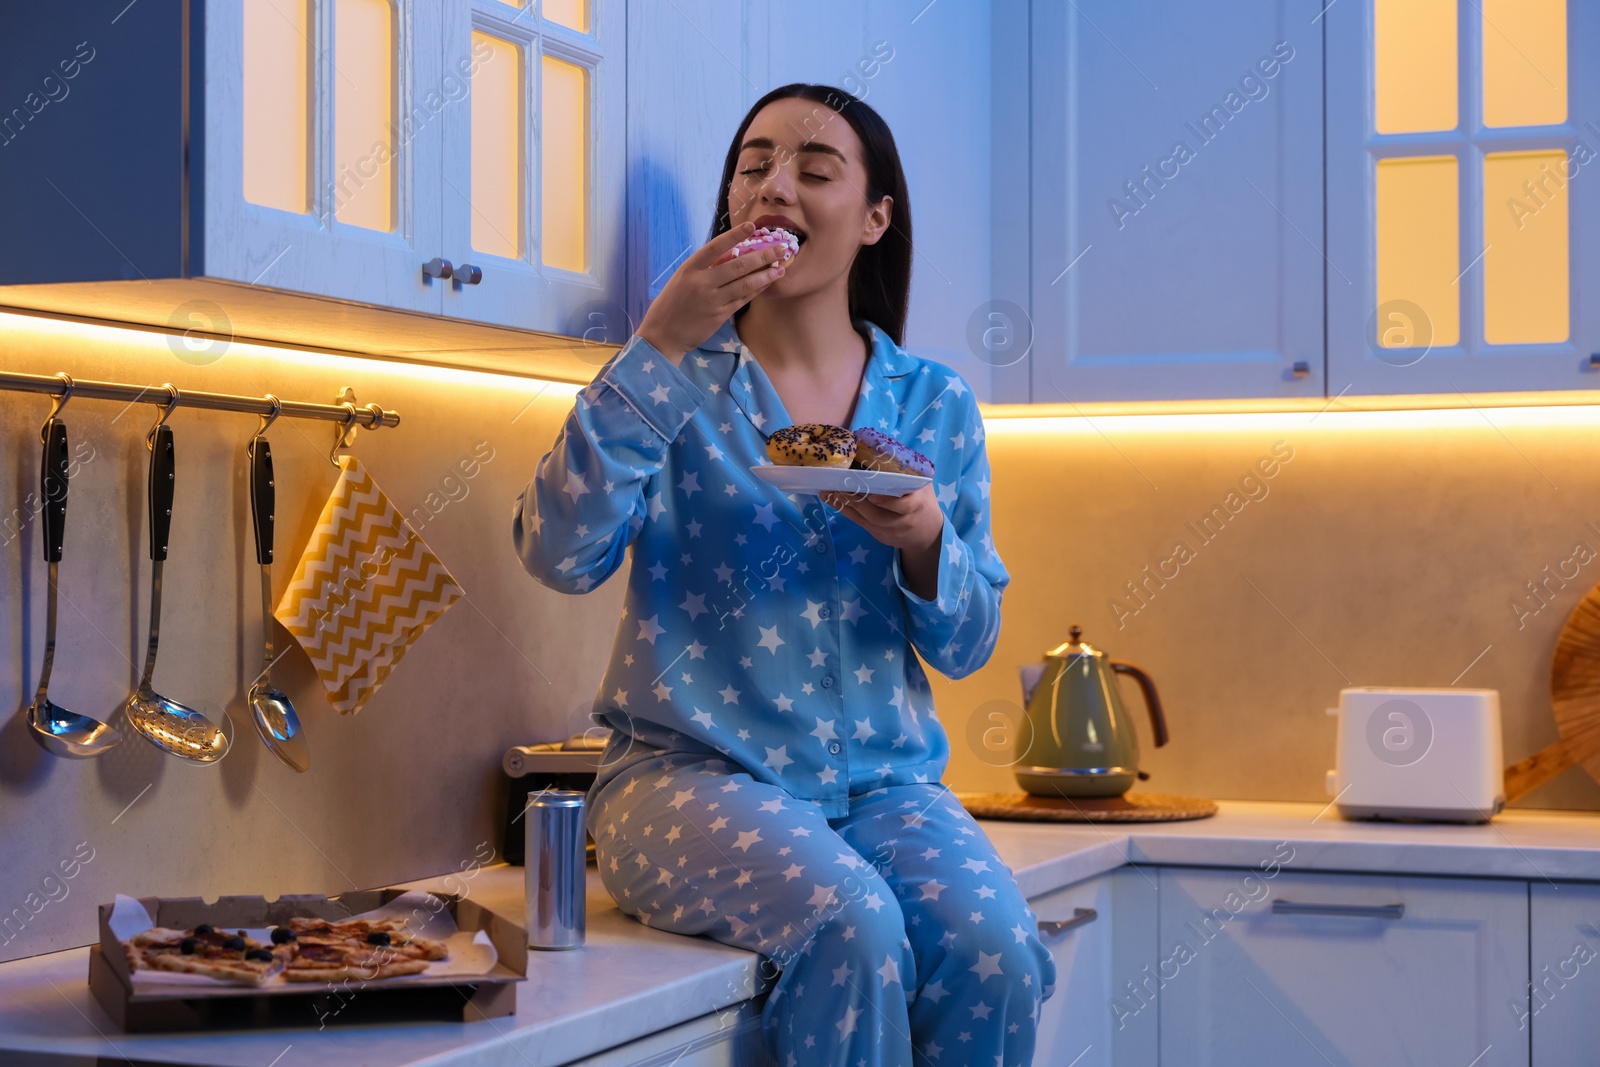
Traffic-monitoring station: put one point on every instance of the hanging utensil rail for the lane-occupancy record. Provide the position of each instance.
(370, 416)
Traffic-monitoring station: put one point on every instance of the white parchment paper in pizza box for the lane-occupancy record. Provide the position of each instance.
(471, 953)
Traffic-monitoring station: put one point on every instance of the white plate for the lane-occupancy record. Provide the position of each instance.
(814, 480)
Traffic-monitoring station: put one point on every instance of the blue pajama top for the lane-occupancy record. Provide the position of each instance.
(759, 624)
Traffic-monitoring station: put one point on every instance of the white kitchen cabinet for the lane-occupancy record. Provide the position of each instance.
(285, 169)
(1176, 227)
(320, 134)
(1562, 1006)
(1356, 969)
(1463, 241)
(728, 1038)
(1098, 931)
(253, 146)
(533, 165)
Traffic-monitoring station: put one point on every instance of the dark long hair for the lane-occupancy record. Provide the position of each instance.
(880, 277)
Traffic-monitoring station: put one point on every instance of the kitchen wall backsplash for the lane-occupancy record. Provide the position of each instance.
(1257, 564)
(405, 788)
(1252, 564)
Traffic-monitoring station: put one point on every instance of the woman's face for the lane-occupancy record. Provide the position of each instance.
(800, 167)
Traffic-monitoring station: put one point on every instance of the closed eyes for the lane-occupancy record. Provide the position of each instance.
(763, 170)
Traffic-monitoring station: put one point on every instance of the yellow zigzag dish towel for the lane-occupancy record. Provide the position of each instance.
(365, 590)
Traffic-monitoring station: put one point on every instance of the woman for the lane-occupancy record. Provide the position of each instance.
(772, 776)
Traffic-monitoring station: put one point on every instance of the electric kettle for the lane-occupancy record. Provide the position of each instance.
(1079, 739)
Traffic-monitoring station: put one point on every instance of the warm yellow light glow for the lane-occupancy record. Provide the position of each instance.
(564, 165)
(276, 119)
(497, 147)
(153, 344)
(1525, 282)
(1463, 418)
(1524, 62)
(1418, 235)
(1414, 65)
(573, 14)
(363, 113)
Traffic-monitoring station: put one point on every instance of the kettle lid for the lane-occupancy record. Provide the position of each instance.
(1075, 645)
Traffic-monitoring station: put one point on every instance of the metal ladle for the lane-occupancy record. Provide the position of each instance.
(59, 731)
(167, 724)
(276, 721)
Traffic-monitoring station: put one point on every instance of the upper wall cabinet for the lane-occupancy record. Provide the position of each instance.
(534, 163)
(1177, 200)
(1461, 237)
(457, 158)
(320, 127)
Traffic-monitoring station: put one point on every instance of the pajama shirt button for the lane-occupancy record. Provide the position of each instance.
(827, 681)
(825, 613)
(822, 546)
(834, 747)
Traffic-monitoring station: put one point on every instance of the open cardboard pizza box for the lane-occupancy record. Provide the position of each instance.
(204, 1004)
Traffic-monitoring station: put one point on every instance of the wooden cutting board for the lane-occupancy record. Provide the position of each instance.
(1575, 699)
(1130, 807)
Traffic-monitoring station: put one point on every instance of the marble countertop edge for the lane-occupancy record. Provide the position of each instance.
(630, 981)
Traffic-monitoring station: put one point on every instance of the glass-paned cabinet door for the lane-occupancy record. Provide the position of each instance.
(1457, 132)
(533, 164)
(322, 140)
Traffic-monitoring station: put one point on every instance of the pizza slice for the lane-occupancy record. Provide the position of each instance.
(320, 959)
(388, 933)
(248, 971)
(205, 951)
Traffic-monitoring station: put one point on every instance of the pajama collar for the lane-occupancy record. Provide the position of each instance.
(755, 395)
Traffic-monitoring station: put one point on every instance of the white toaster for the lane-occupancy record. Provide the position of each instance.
(1425, 754)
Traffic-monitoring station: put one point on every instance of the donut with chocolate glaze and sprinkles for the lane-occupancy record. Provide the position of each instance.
(877, 451)
(812, 444)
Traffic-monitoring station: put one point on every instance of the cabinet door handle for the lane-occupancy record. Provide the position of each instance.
(1356, 911)
(1301, 369)
(438, 268)
(467, 274)
(1080, 916)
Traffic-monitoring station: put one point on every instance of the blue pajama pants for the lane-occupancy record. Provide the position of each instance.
(901, 937)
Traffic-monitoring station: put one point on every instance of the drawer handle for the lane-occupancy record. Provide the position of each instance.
(1301, 369)
(438, 268)
(1356, 911)
(1080, 916)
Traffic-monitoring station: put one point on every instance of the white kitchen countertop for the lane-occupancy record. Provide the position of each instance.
(629, 980)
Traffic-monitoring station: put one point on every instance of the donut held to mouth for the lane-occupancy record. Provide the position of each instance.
(762, 238)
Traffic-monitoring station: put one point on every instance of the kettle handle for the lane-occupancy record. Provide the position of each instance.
(1158, 721)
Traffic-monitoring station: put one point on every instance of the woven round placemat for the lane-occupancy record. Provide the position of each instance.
(1130, 807)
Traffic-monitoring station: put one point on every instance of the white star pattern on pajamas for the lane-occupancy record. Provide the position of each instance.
(888, 928)
(804, 691)
(770, 639)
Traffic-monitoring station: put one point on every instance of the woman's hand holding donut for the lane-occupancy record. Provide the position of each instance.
(702, 293)
(913, 523)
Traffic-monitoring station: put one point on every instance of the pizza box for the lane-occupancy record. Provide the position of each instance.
(219, 1005)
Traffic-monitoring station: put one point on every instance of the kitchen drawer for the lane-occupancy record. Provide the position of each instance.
(1340, 969)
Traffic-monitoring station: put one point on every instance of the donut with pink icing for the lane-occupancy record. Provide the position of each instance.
(877, 451)
(764, 238)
